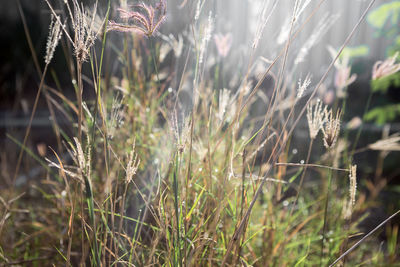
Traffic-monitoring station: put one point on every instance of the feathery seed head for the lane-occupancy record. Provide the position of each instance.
(116, 116)
(343, 80)
(198, 9)
(303, 86)
(133, 165)
(226, 106)
(331, 128)
(385, 68)
(353, 183)
(206, 36)
(180, 131)
(55, 33)
(316, 118)
(83, 27)
(146, 21)
(348, 207)
(223, 43)
(343, 70)
(391, 143)
(322, 28)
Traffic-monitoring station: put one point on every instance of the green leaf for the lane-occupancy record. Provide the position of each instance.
(383, 84)
(357, 51)
(383, 13)
(384, 114)
(302, 259)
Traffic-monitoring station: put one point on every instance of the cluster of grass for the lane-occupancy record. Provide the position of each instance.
(154, 177)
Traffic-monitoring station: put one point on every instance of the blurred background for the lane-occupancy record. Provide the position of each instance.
(240, 19)
(377, 38)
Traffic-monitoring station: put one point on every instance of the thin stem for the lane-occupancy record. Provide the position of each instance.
(306, 165)
(90, 203)
(325, 216)
(177, 213)
(311, 165)
(98, 91)
(122, 212)
(153, 55)
(300, 185)
(365, 237)
(79, 93)
(28, 129)
(361, 126)
(274, 157)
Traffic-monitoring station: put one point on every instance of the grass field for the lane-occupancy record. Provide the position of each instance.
(182, 155)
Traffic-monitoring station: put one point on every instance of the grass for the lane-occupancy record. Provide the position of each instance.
(152, 178)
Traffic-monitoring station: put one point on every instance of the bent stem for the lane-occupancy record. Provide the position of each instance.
(28, 129)
(325, 215)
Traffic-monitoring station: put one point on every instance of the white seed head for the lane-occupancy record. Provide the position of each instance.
(316, 118)
(55, 33)
(133, 165)
(206, 36)
(331, 129)
(353, 183)
(224, 97)
(321, 29)
(303, 85)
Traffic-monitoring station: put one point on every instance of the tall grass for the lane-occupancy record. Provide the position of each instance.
(167, 169)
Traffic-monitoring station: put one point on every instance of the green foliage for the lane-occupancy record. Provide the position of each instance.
(384, 13)
(383, 84)
(386, 113)
(356, 51)
(198, 176)
(382, 115)
(385, 19)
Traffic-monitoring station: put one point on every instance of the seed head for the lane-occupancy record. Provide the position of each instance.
(55, 33)
(343, 70)
(353, 183)
(146, 20)
(331, 129)
(206, 36)
(316, 118)
(132, 166)
(83, 26)
(390, 143)
(385, 68)
(223, 43)
(343, 80)
(303, 86)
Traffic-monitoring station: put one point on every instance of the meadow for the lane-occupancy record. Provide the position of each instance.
(182, 149)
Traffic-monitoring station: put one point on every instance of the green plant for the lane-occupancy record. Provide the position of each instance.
(155, 179)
